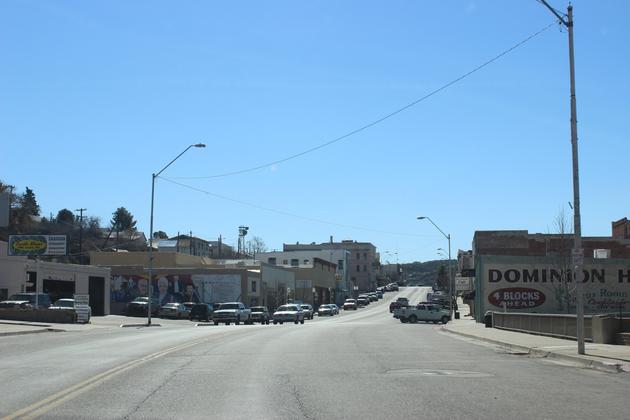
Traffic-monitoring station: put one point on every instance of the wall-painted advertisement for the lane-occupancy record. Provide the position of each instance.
(210, 288)
(533, 284)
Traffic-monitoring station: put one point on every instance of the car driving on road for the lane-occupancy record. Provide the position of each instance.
(288, 313)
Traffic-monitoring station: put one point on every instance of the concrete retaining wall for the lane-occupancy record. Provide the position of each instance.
(553, 325)
(39, 315)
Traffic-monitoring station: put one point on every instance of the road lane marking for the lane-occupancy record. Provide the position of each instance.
(42, 407)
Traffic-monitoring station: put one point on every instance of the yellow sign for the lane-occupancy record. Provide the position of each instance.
(27, 245)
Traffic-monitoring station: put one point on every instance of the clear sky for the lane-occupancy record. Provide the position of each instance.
(95, 96)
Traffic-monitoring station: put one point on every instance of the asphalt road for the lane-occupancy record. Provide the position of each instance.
(362, 365)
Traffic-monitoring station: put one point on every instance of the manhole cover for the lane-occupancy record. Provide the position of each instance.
(438, 373)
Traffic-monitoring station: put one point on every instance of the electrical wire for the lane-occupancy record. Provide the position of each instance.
(377, 121)
(285, 213)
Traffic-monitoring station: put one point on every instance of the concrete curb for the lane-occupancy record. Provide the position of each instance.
(541, 353)
(28, 324)
(139, 325)
(6, 334)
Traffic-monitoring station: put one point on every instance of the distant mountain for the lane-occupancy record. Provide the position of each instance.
(425, 273)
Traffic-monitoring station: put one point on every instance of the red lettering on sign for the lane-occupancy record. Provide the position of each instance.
(517, 297)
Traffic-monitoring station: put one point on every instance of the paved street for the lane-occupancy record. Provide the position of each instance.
(361, 364)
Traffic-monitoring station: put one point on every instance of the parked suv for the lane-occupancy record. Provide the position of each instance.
(260, 314)
(308, 310)
(201, 311)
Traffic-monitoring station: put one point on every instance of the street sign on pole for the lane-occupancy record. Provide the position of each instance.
(577, 257)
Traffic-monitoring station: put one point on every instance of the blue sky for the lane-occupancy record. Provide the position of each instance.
(95, 96)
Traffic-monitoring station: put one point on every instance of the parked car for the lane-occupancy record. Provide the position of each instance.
(235, 312)
(350, 304)
(26, 300)
(423, 312)
(308, 310)
(325, 310)
(83, 312)
(202, 312)
(174, 310)
(379, 294)
(335, 308)
(289, 313)
(260, 314)
(139, 307)
(188, 306)
(363, 301)
(373, 297)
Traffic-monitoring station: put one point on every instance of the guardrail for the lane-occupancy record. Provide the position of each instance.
(552, 325)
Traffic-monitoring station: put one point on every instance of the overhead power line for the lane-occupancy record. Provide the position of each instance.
(285, 213)
(377, 121)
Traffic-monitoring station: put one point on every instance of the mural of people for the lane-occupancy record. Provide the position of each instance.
(164, 296)
(190, 294)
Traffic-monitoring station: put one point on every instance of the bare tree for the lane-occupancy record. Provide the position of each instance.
(256, 245)
(559, 247)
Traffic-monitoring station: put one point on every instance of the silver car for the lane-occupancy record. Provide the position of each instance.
(288, 313)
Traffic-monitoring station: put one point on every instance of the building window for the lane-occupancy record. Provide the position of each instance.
(271, 260)
(365, 255)
(364, 267)
(253, 286)
(295, 262)
(358, 256)
(285, 262)
(358, 268)
(306, 262)
(340, 264)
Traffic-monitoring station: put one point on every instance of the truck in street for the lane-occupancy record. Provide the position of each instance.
(422, 312)
(229, 312)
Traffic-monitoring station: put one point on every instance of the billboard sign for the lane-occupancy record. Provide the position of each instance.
(539, 284)
(24, 245)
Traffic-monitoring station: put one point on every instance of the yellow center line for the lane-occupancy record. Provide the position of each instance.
(41, 407)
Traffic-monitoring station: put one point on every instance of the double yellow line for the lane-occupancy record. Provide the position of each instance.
(42, 407)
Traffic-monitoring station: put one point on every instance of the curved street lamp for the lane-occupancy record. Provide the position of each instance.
(150, 267)
(450, 271)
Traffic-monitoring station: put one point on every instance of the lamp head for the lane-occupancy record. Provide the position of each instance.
(421, 217)
(199, 145)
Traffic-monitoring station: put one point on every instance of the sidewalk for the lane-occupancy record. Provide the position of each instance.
(8, 327)
(608, 357)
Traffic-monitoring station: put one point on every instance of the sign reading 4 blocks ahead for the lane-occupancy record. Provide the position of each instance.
(37, 245)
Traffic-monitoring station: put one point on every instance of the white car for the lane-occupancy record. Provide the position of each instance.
(84, 312)
(288, 313)
(324, 310)
(350, 304)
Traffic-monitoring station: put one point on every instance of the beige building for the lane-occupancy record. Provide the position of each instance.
(315, 283)
(362, 261)
(58, 280)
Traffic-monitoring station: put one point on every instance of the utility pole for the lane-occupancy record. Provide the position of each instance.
(81, 210)
(578, 252)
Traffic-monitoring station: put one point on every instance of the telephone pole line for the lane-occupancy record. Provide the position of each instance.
(578, 252)
(81, 210)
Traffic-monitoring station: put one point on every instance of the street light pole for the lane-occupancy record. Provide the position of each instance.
(150, 265)
(578, 252)
(450, 270)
